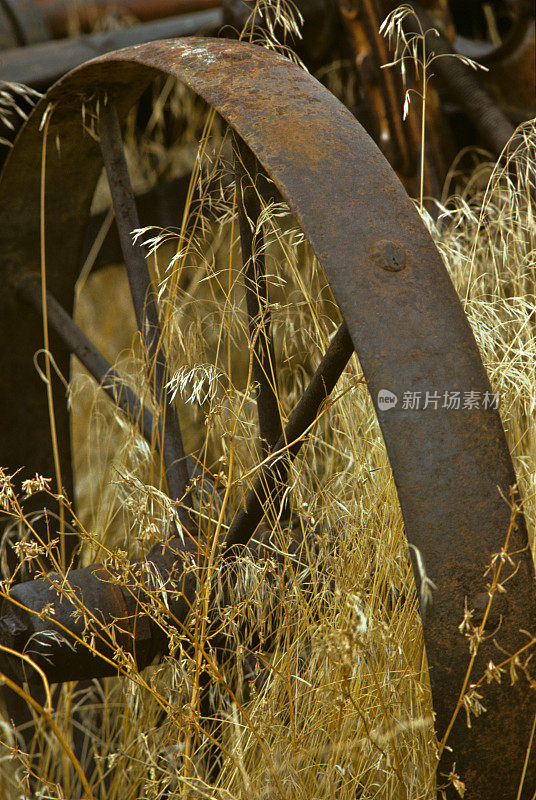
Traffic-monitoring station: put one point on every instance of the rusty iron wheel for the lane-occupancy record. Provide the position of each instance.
(401, 315)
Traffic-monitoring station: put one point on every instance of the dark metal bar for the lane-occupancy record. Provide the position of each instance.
(41, 65)
(122, 606)
(143, 297)
(163, 202)
(113, 604)
(253, 259)
(266, 489)
(29, 288)
(57, 12)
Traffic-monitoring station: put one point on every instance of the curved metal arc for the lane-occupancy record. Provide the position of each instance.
(407, 326)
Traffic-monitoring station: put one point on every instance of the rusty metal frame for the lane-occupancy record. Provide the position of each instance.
(451, 466)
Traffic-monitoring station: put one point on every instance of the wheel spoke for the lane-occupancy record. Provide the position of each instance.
(264, 373)
(143, 297)
(266, 491)
(29, 288)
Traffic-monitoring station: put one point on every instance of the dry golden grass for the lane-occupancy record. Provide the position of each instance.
(345, 700)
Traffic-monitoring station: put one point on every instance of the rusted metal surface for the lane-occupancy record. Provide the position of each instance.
(94, 613)
(108, 605)
(451, 465)
(321, 40)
